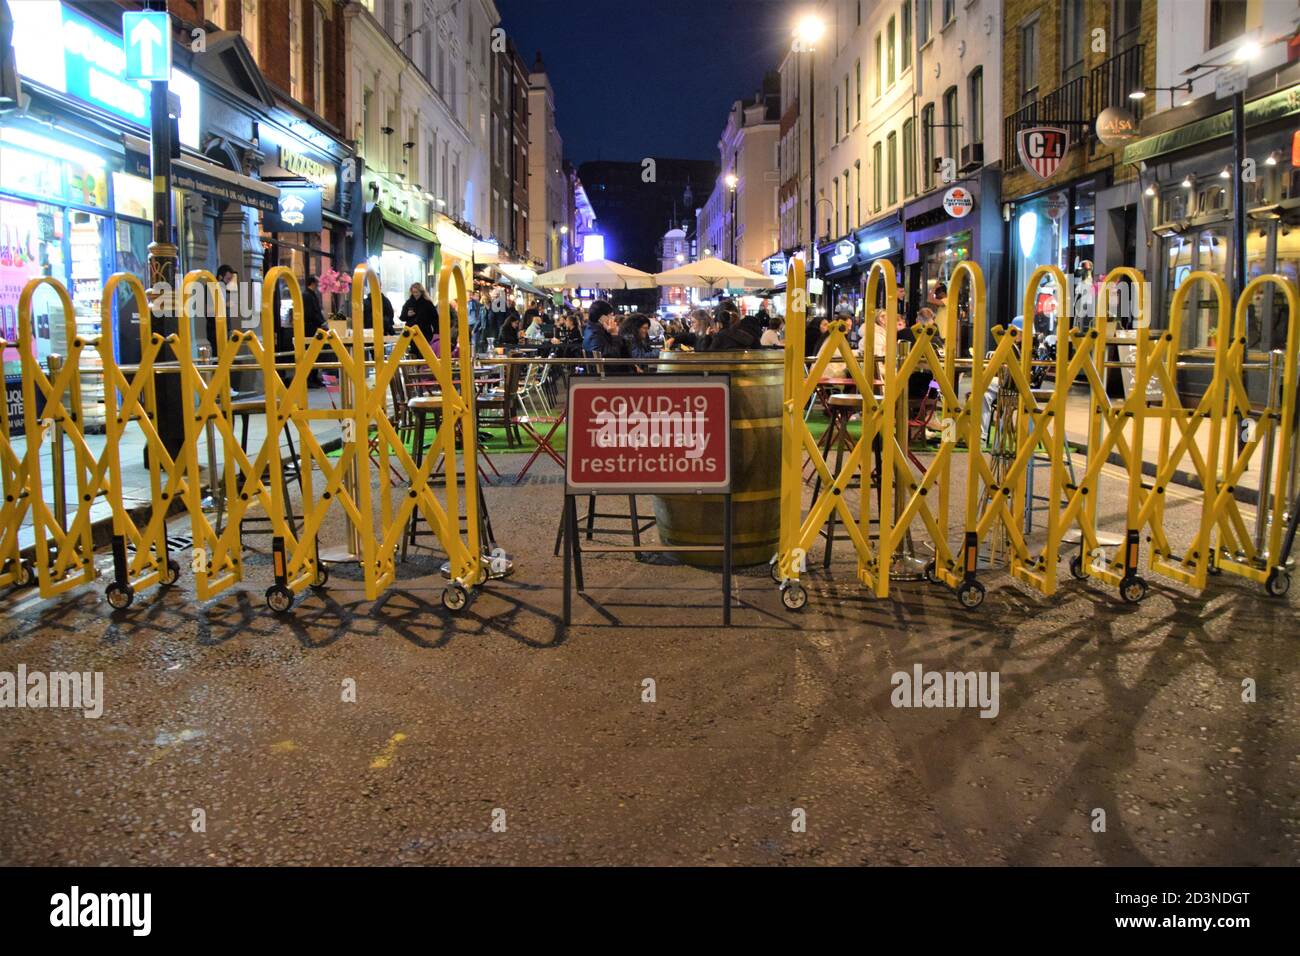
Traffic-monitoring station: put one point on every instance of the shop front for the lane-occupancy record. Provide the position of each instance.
(1188, 198)
(1055, 228)
(402, 252)
(948, 226)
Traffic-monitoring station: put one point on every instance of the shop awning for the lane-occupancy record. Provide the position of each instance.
(1266, 109)
(414, 230)
(203, 176)
(523, 286)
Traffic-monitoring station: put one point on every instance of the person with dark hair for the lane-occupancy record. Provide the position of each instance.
(814, 335)
(635, 330)
(228, 279)
(740, 332)
(386, 310)
(773, 337)
(313, 319)
(510, 331)
(601, 337)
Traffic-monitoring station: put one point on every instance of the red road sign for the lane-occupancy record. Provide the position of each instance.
(656, 433)
(1042, 148)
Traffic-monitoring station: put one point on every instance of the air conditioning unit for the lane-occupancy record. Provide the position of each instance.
(972, 156)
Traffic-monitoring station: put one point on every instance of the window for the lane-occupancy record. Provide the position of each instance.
(890, 65)
(1029, 62)
(846, 105)
(909, 157)
(430, 173)
(857, 169)
(950, 10)
(1227, 21)
(318, 59)
(906, 51)
(250, 27)
(892, 150)
(390, 11)
(975, 97)
(927, 145)
(950, 123)
(296, 77)
(922, 21)
(879, 65)
(1128, 23)
(857, 74)
(367, 97)
(1071, 41)
(428, 33)
(837, 114)
(876, 194)
(835, 188)
(408, 25)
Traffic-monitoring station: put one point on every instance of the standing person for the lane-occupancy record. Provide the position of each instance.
(313, 320)
(386, 310)
(420, 312)
(228, 279)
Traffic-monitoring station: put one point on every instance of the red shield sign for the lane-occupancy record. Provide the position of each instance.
(1042, 148)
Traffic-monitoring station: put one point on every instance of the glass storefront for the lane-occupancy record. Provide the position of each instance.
(1055, 229)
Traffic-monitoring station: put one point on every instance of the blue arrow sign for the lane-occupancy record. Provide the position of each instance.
(146, 37)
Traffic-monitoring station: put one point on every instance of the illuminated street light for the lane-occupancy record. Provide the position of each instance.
(809, 30)
(731, 180)
(1247, 52)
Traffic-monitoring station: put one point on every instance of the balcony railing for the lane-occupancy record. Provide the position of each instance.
(1075, 105)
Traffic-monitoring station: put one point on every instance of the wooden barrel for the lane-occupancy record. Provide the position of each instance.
(756, 394)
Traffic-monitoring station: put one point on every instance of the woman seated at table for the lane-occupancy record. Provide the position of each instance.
(510, 331)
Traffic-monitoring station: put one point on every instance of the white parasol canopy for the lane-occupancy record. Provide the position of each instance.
(595, 274)
(714, 273)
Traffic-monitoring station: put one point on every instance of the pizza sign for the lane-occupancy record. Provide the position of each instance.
(1042, 148)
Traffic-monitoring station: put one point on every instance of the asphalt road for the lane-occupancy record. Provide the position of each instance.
(500, 716)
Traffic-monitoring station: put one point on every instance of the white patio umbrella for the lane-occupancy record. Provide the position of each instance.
(595, 274)
(714, 273)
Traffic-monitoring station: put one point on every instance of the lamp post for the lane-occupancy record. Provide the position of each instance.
(731, 182)
(808, 31)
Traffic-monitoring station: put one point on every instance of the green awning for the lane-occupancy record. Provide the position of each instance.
(1266, 109)
(414, 230)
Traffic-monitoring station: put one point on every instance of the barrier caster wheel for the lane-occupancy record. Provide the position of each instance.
(322, 578)
(970, 594)
(932, 573)
(119, 596)
(774, 568)
(1278, 583)
(454, 597)
(1133, 590)
(279, 598)
(172, 574)
(794, 597)
(1076, 568)
(26, 574)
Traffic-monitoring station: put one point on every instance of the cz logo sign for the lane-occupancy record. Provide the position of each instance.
(1042, 148)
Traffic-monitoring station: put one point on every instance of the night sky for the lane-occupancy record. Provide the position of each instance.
(637, 78)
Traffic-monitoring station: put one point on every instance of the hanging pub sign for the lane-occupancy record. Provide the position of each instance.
(298, 210)
(1042, 148)
(1116, 126)
(958, 202)
(663, 434)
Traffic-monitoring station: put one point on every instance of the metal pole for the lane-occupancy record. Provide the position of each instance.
(163, 252)
(726, 561)
(812, 170)
(1238, 192)
(215, 486)
(54, 363)
(1263, 511)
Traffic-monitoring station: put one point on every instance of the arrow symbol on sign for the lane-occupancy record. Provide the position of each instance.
(145, 35)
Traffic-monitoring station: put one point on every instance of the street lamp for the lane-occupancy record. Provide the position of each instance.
(807, 32)
(731, 182)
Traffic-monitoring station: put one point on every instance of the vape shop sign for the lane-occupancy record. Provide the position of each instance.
(659, 433)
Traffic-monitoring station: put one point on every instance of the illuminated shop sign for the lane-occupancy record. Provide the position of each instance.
(87, 62)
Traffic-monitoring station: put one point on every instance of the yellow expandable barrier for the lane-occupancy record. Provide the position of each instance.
(1237, 553)
(64, 558)
(127, 400)
(14, 507)
(1116, 430)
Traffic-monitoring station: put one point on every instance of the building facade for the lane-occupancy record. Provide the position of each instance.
(750, 177)
(547, 183)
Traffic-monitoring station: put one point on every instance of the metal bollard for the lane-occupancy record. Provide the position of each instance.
(1263, 508)
(55, 364)
(215, 485)
(905, 564)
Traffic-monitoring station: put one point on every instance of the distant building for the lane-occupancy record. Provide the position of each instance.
(748, 148)
(548, 204)
(674, 250)
(633, 201)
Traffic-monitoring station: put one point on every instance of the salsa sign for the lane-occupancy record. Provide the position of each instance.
(1042, 148)
(658, 434)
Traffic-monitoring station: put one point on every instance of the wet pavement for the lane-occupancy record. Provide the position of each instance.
(497, 736)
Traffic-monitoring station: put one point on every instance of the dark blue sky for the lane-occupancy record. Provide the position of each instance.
(637, 78)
